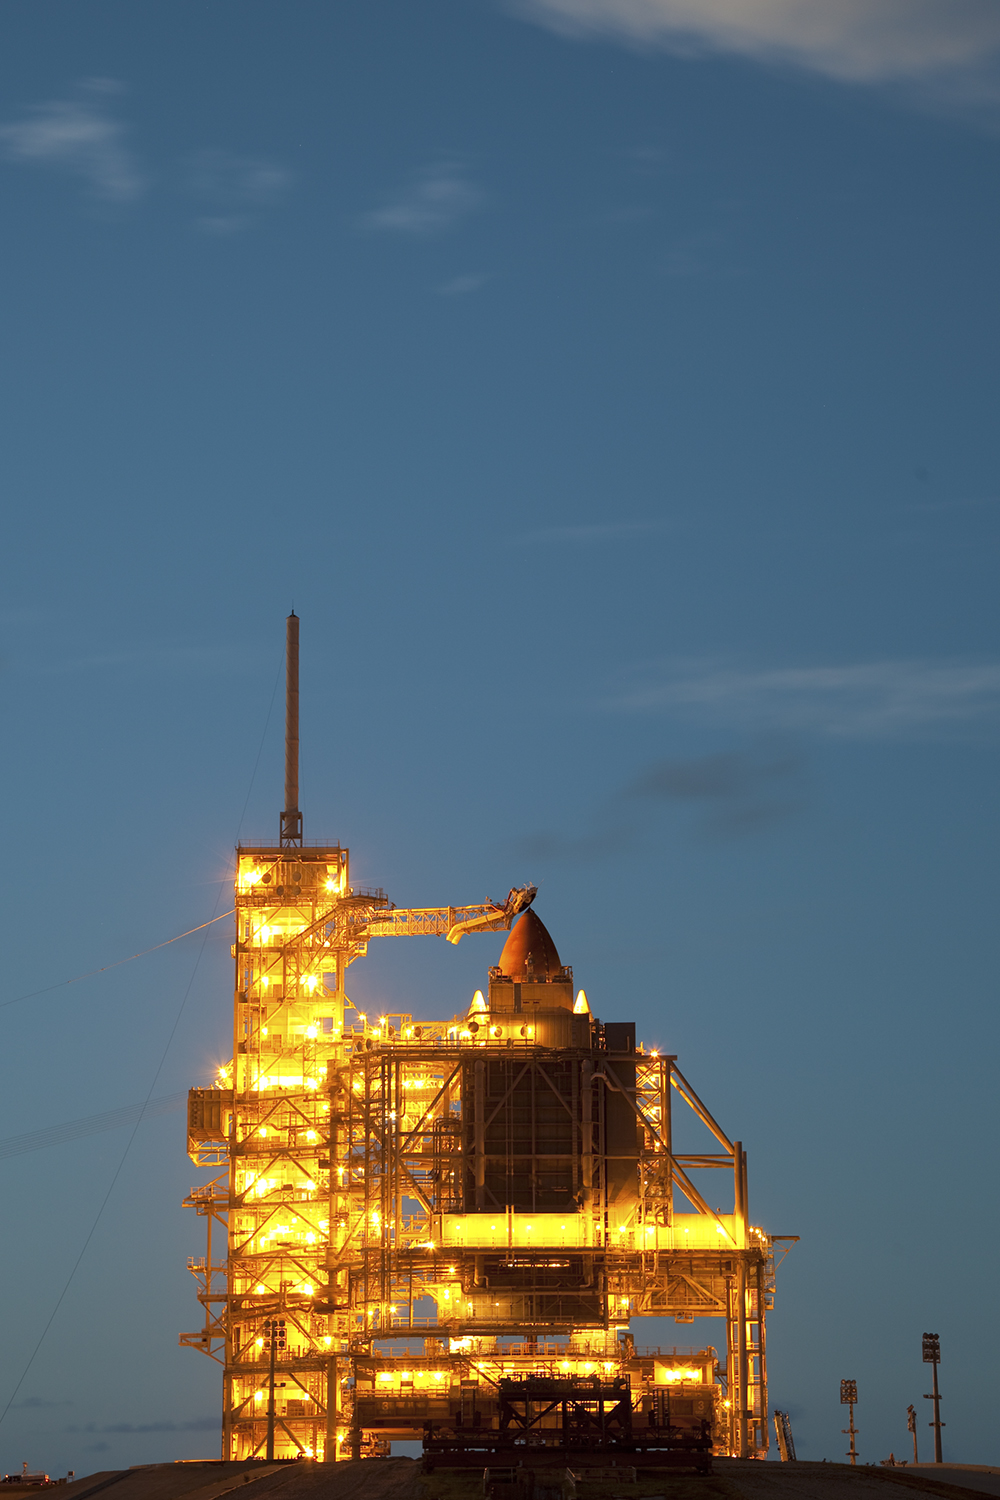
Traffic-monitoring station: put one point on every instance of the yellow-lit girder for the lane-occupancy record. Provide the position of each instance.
(451, 922)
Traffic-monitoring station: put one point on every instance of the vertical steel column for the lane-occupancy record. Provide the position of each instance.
(332, 1405)
(587, 1133)
(667, 1132)
(762, 1356)
(732, 1366)
(741, 1357)
(479, 1132)
(396, 1171)
(739, 1205)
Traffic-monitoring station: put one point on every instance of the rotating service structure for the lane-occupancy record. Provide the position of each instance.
(455, 1222)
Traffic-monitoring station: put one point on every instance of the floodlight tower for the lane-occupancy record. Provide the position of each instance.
(848, 1397)
(932, 1357)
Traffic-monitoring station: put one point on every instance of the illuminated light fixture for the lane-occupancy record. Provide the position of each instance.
(258, 1395)
(259, 1343)
(311, 1135)
(581, 1006)
(310, 1239)
(260, 1290)
(263, 1031)
(327, 1339)
(262, 1130)
(311, 1033)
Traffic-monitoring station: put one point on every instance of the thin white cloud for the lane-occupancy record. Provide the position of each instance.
(461, 286)
(235, 189)
(79, 136)
(871, 700)
(437, 198)
(856, 40)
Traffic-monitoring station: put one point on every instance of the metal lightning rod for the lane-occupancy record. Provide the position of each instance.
(291, 818)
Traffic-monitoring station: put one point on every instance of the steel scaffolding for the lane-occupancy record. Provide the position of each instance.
(438, 1213)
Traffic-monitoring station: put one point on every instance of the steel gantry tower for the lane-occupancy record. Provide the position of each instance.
(443, 1229)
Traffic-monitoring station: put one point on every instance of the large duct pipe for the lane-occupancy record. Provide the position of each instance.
(291, 818)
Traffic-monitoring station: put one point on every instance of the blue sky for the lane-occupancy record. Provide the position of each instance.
(611, 387)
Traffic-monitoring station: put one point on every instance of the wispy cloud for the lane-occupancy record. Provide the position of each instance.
(461, 286)
(234, 189)
(79, 136)
(856, 40)
(198, 1424)
(873, 700)
(733, 793)
(38, 1403)
(737, 791)
(595, 533)
(435, 200)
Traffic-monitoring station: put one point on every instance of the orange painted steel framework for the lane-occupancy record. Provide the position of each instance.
(435, 1209)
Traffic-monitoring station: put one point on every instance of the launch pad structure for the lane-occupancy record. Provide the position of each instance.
(442, 1230)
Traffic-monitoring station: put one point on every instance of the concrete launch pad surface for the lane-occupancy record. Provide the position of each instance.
(401, 1479)
(808, 1481)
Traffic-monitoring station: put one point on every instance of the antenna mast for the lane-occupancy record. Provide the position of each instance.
(291, 818)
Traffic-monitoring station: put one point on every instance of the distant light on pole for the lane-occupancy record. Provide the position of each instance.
(274, 1338)
(932, 1357)
(848, 1396)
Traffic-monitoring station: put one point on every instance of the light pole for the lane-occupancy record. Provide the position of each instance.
(274, 1338)
(932, 1357)
(848, 1396)
(911, 1424)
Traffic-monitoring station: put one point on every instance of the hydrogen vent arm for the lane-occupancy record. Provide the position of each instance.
(451, 922)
